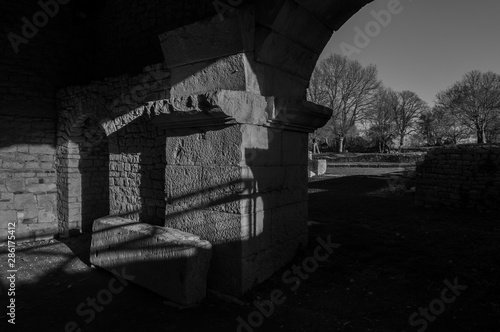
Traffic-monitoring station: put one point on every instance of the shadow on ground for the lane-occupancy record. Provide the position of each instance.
(393, 258)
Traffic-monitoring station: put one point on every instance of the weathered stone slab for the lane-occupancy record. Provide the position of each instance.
(166, 261)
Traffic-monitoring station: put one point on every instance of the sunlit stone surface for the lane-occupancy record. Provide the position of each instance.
(169, 262)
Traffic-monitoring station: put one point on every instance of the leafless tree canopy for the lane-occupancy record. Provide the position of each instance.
(437, 126)
(381, 118)
(347, 87)
(406, 107)
(475, 102)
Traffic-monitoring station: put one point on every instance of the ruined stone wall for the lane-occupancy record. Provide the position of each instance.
(27, 176)
(461, 176)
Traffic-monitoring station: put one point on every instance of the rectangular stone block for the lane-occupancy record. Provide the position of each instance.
(24, 201)
(215, 188)
(7, 217)
(218, 147)
(12, 165)
(45, 216)
(166, 261)
(42, 149)
(6, 197)
(217, 227)
(41, 187)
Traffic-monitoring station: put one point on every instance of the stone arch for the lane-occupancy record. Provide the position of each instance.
(82, 164)
(265, 47)
(257, 72)
(290, 36)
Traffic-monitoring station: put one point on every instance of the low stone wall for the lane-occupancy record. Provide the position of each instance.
(460, 176)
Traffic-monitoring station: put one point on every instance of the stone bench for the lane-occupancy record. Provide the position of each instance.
(166, 261)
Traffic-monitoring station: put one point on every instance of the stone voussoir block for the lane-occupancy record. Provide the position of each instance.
(164, 260)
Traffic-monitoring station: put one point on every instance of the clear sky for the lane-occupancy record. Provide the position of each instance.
(429, 45)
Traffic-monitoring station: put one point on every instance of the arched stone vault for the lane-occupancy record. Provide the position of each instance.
(221, 150)
(267, 47)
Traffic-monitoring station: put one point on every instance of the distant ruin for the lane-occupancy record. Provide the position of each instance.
(465, 177)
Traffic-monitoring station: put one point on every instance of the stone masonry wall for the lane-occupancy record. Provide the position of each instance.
(460, 176)
(137, 173)
(244, 189)
(132, 172)
(57, 54)
(94, 174)
(27, 177)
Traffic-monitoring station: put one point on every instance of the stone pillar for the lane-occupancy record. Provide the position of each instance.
(240, 189)
(236, 156)
(240, 185)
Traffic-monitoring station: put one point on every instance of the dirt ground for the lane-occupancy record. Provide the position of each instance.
(391, 261)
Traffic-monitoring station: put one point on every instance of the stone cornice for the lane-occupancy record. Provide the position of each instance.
(224, 107)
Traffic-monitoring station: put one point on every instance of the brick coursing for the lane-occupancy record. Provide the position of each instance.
(28, 179)
(460, 176)
(109, 152)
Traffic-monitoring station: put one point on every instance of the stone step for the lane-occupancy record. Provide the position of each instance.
(166, 261)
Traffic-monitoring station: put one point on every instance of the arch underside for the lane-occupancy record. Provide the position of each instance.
(214, 140)
(272, 45)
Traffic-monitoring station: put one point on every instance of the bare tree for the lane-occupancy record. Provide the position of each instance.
(475, 101)
(406, 108)
(345, 86)
(428, 127)
(493, 131)
(438, 126)
(380, 117)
